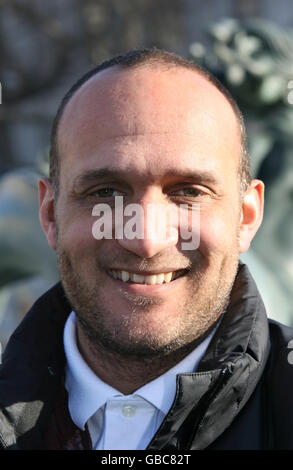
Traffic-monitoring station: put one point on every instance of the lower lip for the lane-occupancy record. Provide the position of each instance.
(148, 289)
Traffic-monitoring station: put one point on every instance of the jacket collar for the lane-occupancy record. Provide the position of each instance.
(208, 400)
(33, 368)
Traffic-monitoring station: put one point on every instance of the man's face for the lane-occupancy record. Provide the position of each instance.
(153, 136)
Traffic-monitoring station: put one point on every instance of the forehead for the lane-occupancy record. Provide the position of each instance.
(173, 107)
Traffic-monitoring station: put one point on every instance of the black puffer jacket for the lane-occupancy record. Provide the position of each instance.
(241, 397)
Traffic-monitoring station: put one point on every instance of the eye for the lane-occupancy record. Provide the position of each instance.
(189, 192)
(107, 192)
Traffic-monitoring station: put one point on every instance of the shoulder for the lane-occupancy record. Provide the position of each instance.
(281, 338)
(281, 351)
(279, 384)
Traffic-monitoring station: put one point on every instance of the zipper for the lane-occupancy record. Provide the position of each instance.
(195, 418)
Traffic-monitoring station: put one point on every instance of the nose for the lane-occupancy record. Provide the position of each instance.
(150, 231)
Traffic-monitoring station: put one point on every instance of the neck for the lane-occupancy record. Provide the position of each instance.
(128, 374)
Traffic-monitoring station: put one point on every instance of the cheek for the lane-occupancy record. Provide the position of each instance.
(218, 235)
(75, 233)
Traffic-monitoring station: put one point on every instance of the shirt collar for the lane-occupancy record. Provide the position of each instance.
(161, 391)
(87, 393)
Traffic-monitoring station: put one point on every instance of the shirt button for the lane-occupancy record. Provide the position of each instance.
(128, 411)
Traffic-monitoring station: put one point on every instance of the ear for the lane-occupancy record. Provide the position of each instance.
(47, 211)
(251, 214)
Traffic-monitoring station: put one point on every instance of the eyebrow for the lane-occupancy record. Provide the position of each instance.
(92, 176)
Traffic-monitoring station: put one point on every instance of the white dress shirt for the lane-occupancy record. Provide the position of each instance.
(116, 421)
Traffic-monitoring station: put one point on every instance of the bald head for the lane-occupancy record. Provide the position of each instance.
(133, 92)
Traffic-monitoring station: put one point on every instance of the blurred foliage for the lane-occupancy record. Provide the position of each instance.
(28, 266)
(254, 59)
(24, 251)
(41, 41)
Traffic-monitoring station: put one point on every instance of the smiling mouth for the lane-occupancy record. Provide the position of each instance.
(149, 279)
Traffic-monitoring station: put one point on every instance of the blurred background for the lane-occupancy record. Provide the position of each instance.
(46, 45)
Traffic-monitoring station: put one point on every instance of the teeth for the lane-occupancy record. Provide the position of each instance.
(137, 278)
(150, 279)
(168, 276)
(115, 275)
(124, 276)
(160, 278)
